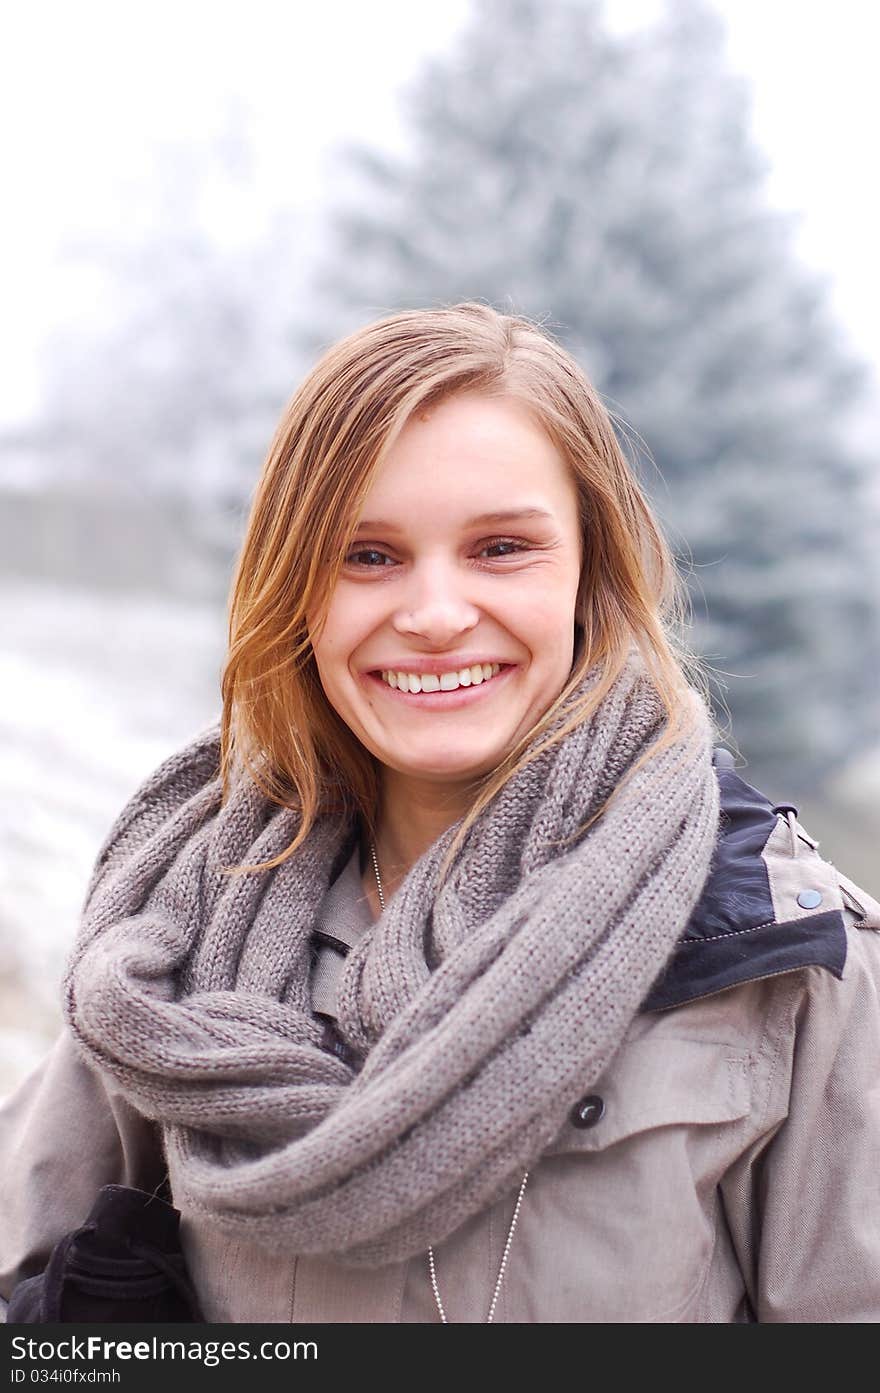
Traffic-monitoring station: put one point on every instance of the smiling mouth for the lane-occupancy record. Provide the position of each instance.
(443, 698)
(447, 682)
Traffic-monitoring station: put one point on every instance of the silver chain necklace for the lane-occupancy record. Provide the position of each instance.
(431, 1268)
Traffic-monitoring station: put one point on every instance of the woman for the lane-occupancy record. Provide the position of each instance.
(452, 978)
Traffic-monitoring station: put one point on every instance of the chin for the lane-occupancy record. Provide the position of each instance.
(461, 766)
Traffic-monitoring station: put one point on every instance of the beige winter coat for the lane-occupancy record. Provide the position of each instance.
(731, 1171)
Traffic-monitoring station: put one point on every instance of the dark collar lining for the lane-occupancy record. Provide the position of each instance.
(702, 967)
(732, 936)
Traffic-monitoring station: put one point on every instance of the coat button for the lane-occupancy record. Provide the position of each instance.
(808, 899)
(588, 1111)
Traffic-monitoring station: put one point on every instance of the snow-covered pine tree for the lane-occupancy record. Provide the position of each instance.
(609, 185)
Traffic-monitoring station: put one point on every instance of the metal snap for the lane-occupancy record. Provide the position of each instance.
(808, 899)
(588, 1111)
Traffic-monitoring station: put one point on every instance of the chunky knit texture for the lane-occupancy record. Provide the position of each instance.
(481, 1011)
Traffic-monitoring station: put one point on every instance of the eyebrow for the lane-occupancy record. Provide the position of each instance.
(504, 515)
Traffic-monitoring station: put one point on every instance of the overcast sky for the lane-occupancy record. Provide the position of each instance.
(87, 89)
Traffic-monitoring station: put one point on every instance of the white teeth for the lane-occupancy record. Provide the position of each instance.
(447, 681)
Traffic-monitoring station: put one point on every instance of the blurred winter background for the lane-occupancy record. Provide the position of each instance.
(199, 196)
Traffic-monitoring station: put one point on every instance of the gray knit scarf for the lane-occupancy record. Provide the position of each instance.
(481, 1011)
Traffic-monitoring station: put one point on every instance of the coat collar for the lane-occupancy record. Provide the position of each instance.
(737, 932)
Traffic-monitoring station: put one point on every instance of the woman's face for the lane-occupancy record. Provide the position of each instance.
(431, 586)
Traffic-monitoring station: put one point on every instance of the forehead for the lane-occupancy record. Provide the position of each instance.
(482, 453)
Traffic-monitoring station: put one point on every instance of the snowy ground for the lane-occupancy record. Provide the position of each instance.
(97, 690)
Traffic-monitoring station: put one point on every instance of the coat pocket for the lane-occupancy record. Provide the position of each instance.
(623, 1218)
(659, 1083)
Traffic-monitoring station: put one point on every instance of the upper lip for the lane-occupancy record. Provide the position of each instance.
(438, 666)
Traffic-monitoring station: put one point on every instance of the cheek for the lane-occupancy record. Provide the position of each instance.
(549, 615)
(350, 620)
(331, 644)
(337, 690)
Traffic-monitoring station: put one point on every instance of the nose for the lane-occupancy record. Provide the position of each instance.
(435, 607)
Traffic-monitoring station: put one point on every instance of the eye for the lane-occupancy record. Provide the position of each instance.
(365, 551)
(364, 558)
(505, 542)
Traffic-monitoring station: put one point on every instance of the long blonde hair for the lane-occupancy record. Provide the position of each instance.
(277, 725)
